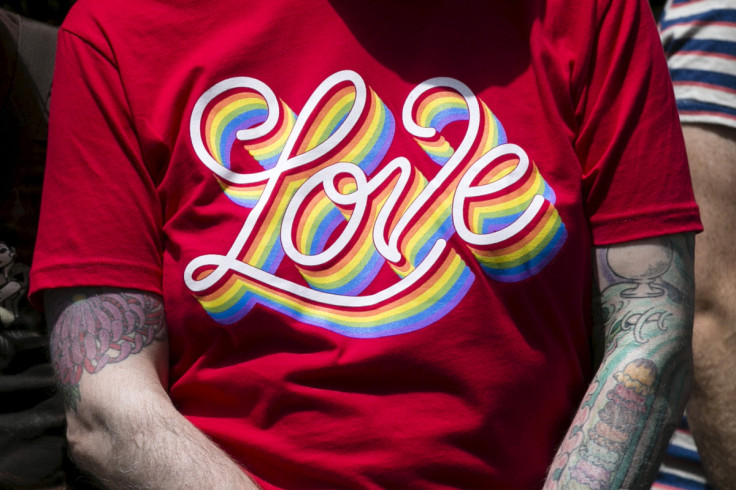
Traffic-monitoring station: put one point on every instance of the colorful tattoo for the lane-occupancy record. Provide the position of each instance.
(94, 329)
(628, 402)
(645, 309)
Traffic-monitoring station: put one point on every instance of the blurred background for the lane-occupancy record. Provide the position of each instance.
(49, 11)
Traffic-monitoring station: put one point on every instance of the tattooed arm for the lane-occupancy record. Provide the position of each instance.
(645, 313)
(110, 353)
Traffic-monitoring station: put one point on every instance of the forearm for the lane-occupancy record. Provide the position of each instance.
(145, 443)
(624, 423)
(712, 408)
(109, 350)
(637, 395)
(9, 289)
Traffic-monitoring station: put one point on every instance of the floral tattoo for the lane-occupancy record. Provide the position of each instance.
(98, 328)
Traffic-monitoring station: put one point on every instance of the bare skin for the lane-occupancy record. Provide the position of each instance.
(644, 312)
(110, 352)
(712, 409)
(616, 440)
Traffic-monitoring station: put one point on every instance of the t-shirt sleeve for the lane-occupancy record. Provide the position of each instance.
(699, 39)
(636, 181)
(100, 215)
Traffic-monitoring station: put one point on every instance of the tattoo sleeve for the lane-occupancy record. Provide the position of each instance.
(94, 327)
(644, 307)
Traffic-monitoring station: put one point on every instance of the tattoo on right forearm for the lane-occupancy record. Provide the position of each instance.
(98, 329)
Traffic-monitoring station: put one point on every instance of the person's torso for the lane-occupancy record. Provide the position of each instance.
(376, 261)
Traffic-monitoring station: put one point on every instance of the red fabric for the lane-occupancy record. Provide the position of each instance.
(465, 374)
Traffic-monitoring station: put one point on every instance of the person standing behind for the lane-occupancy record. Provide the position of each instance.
(31, 411)
(699, 38)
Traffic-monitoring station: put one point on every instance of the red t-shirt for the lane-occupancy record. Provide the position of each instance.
(371, 222)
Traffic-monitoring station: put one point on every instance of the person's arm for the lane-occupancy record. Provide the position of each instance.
(9, 289)
(712, 408)
(644, 312)
(109, 349)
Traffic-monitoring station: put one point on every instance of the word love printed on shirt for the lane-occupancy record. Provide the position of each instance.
(370, 239)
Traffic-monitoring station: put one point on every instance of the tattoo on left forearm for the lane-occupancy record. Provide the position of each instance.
(634, 400)
(627, 403)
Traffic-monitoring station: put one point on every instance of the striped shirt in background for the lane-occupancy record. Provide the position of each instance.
(681, 468)
(699, 38)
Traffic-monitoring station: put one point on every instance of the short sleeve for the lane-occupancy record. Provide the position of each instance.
(100, 216)
(699, 39)
(636, 181)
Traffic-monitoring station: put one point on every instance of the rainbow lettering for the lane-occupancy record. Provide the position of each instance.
(321, 196)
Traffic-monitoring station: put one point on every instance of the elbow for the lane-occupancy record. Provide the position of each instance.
(89, 441)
